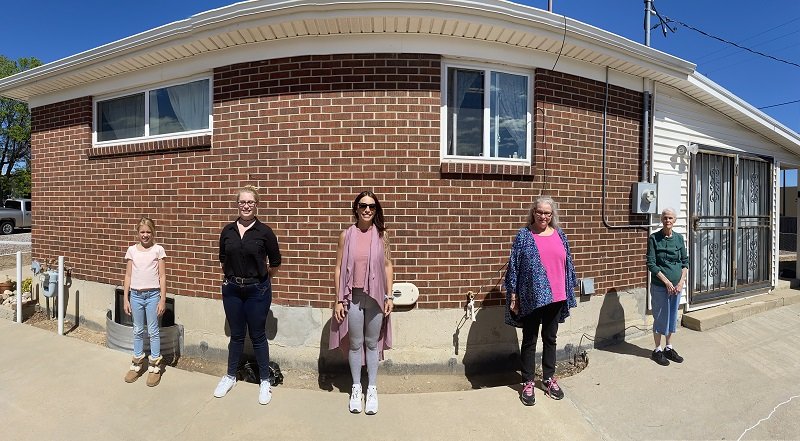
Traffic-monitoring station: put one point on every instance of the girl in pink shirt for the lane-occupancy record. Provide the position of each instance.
(145, 297)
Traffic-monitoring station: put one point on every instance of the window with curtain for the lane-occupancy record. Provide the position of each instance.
(163, 111)
(488, 114)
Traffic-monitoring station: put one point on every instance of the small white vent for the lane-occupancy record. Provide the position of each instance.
(405, 293)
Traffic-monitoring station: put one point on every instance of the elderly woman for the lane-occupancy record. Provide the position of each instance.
(668, 262)
(540, 284)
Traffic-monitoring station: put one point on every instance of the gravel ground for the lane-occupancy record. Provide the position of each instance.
(9, 245)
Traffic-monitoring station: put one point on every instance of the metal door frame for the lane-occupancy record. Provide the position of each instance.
(733, 289)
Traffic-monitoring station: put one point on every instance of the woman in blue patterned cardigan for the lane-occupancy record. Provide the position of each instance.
(540, 290)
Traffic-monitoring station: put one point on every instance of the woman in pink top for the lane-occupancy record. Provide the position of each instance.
(363, 278)
(540, 282)
(145, 297)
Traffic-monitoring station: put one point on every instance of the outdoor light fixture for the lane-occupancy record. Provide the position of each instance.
(682, 150)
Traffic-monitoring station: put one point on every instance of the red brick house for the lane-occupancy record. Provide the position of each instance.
(457, 116)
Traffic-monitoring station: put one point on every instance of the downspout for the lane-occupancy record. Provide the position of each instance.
(645, 176)
(603, 192)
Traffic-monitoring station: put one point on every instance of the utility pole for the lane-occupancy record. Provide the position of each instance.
(648, 10)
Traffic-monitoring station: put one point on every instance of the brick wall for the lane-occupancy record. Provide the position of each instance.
(314, 131)
(569, 125)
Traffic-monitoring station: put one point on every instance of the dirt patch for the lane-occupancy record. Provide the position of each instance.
(40, 320)
(303, 379)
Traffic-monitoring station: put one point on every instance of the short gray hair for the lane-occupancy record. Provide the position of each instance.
(553, 206)
(669, 210)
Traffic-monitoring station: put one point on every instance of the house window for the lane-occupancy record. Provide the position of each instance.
(488, 114)
(167, 111)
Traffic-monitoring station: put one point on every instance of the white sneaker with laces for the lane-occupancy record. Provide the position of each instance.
(372, 400)
(265, 392)
(224, 386)
(355, 399)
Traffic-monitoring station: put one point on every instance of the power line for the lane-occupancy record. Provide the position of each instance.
(738, 51)
(781, 104)
(732, 43)
(752, 37)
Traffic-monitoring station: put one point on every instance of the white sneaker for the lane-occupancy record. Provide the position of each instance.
(265, 392)
(355, 399)
(225, 385)
(372, 400)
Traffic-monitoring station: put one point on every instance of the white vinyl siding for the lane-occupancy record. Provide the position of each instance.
(678, 119)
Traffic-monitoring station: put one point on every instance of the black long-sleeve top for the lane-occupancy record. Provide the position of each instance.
(248, 256)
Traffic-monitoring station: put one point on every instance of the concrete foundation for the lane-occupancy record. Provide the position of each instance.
(424, 340)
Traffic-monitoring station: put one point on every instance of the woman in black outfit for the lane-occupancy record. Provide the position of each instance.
(248, 250)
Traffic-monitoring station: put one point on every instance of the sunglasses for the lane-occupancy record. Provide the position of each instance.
(371, 206)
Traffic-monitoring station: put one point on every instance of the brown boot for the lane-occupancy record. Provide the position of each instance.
(136, 370)
(154, 371)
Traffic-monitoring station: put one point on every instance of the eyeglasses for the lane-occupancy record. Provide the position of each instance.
(544, 213)
(247, 203)
(364, 206)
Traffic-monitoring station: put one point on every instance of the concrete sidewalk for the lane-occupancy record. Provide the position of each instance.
(60, 388)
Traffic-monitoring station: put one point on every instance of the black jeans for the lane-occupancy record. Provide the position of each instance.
(247, 306)
(546, 316)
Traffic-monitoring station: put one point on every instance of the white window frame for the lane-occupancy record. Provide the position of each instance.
(146, 91)
(487, 69)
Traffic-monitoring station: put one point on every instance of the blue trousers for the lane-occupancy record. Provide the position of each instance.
(246, 309)
(144, 307)
(665, 310)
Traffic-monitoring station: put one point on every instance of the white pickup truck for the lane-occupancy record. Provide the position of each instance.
(16, 213)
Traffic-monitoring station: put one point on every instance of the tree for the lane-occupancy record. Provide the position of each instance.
(15, 134)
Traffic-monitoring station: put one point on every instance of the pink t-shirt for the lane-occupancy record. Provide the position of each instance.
(144, 274)
(361, 256)
(554, 261)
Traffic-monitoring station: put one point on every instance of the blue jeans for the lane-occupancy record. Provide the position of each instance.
(144, 304)
(665, 310)
(246, 308)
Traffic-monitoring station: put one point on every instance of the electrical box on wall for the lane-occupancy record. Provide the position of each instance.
(643, 197)
(669, 192)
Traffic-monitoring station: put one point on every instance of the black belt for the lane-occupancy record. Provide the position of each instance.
(245, 280)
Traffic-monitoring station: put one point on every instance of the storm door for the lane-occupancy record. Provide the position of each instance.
(730, 206)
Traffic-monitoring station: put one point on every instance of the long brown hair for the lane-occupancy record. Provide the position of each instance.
(378, 220)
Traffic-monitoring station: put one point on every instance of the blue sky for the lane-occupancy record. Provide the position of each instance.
(50, 30)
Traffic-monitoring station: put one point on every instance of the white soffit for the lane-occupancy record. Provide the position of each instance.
(259, 21)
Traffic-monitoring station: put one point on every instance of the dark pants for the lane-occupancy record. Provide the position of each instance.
(246, 306)
(547, 317)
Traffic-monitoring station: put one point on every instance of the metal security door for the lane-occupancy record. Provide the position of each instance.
(730, 203)
(754, 222)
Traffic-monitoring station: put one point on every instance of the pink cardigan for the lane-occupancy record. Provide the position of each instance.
(375, 288)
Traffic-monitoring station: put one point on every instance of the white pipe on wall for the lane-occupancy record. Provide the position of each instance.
(60, 295)
(19, 286)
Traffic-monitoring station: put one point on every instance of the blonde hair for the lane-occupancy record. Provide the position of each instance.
(248, 189)
(146, 221)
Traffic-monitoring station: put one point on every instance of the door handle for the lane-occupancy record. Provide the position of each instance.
(695, 223)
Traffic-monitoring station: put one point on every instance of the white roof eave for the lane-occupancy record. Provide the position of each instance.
(249, 13)
(716, 96)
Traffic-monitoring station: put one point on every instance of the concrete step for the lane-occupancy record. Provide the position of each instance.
(710, 318)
